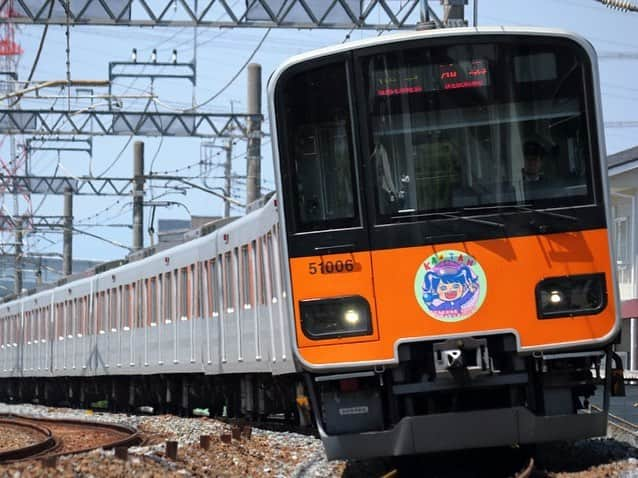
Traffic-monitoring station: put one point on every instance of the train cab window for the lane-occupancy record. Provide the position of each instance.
(318, 149)
(459, 126)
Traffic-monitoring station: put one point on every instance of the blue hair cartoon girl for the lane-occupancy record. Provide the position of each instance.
(450, 289)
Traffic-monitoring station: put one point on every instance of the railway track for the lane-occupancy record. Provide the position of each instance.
(23, 440)
(621, 428)
(624, 429)
(51, 438)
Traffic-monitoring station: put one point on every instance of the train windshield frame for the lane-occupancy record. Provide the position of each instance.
(465, 126)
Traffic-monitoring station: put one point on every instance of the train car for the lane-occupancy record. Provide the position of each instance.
(445, 217)
(434, 272)
(201, 324)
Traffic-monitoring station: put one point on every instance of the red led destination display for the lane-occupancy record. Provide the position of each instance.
(431, 78)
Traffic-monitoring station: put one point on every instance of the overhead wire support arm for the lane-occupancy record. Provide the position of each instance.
(32, 222)
(57, 185)
(332, 14)
(121, 123)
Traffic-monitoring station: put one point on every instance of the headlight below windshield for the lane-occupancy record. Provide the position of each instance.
(571, 295)
(338, 317)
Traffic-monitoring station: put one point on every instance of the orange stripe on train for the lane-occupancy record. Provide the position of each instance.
(512, 268)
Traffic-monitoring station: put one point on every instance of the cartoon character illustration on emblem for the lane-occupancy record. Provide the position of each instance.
(450, 286)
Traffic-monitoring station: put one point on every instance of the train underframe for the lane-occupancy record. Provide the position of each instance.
(258, 397)
(461, 393)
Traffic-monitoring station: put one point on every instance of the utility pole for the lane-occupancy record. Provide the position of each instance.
(18, 257)
(253, 160)
(67, 248)
(228, 171)
(138, 195)
(454, 13)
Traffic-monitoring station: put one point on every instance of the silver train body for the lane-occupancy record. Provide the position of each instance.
(213, 305)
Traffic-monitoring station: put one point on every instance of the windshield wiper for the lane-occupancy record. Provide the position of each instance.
(527, 208)
(451, 215)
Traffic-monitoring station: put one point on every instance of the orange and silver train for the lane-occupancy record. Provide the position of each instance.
(446, 219)
(434, 272)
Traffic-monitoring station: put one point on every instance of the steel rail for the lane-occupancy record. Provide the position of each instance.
(131, 436)
(35, 449)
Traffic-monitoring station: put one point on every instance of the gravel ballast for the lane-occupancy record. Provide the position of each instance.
(272, 454)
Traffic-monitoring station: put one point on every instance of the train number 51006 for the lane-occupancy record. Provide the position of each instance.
(330, 267)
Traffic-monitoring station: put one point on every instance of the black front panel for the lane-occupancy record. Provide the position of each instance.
(481, 139)
(320, 171)
(439, 140)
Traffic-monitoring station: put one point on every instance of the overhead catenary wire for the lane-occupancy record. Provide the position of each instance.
(234, 77)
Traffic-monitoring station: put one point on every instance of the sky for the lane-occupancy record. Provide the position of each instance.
(220, 55)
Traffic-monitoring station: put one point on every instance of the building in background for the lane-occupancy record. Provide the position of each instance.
(623, 181)
(36, 270)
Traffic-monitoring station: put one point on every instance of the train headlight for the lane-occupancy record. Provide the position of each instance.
(337, 317)
(571, 295)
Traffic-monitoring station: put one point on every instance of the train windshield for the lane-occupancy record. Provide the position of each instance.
(477, 125)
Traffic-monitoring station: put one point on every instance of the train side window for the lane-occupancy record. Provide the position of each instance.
(69, 318)
(35, 326)
(27, 326)
(199, 291)
(38, 324)
(59, 331)
(261, 272)
(75, 317)
(192, 292)
(177, 293)
(213, 287)
(113, 312)
(125, 305)
(138, 309)
(227, 272)
(48, 317)
(119, 308)
(145, 295)
(161, 297)
(247, 277)
(152, 302)
(63, 319)
(183, 294)
(97, 307)
(83, 316)
(130, 306)
(108, 312)
(103, 313)
(168, 298)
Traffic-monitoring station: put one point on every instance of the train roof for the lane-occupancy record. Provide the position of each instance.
(422, 34)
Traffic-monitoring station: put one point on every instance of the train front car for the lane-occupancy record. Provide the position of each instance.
(446, 219)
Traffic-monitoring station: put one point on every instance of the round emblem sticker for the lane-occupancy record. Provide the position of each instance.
(450, 286)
